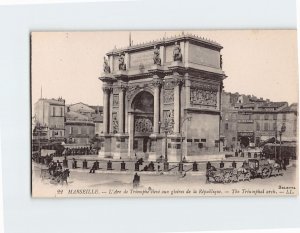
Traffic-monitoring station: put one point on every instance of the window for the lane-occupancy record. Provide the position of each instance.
(284, 117)
(266, 126)
(226, 126)
(216, 143)
(203, 140)
(79, 130)
(175, 140)
(135, 144)
(196, 140)
(71, 130)
(274, 117)
(53, 111)
(257, 126)
(200, 145)
(283, 127)
(87, 130)
(189, 140)
(274, 126)
(257, 141)
(61, 111)
(266, 117)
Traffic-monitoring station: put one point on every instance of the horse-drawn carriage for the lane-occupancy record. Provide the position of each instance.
(55, 173)
(227, 175)
(264, 168)
(251, 169)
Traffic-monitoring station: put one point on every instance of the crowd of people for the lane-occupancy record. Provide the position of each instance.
(80, 151)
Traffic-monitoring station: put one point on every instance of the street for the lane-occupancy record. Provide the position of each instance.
(172, 180)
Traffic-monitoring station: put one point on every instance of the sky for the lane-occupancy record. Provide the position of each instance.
(257, 62)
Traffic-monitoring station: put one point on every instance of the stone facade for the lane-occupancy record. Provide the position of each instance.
(250, 121)
(50, 114)
(151, 91)
(79, 129)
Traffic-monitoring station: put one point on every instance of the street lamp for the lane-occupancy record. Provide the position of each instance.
(166, 126)
(183, 120)
(282, 130)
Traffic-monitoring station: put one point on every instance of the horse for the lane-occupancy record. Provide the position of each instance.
(52, 167)
(63, 176)
(277, 168)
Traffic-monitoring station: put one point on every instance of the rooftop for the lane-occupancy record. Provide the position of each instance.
(168, 40)
(59, 100)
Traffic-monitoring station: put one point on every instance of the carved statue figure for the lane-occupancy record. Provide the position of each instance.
(106, 67)
(115, 122)
(156, 58)
(221, 61)
(122, 65)
(177, 56)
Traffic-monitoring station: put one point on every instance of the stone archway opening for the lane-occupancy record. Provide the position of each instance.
(143, 110)
(245, 141)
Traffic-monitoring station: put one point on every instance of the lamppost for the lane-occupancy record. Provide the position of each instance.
(166, 127)
(181, 126)
(282, 130)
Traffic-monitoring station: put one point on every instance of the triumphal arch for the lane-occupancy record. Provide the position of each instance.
(161, 99)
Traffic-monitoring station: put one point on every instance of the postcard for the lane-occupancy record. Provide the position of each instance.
(164, 113)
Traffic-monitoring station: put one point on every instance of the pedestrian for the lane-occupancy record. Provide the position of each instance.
(284, 164)
(93, 168)
(136, 180)
(59, 164)
(74, 164)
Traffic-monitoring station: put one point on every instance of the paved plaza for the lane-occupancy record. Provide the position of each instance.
(116, 178)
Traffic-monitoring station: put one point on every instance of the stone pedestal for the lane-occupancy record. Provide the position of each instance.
(174, 153)
(156, 147)
(121, 148)
(105, 151)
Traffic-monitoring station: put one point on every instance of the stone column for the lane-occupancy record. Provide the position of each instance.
(121, 109)
(111, 100)
(187, 91)
(157, 85)
(131, 134)
(177, 83)
(106, 91)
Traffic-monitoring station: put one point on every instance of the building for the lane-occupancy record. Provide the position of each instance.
(50, 115)
(162, 98)
(248, 121)
(79, 130)
(94, 113)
